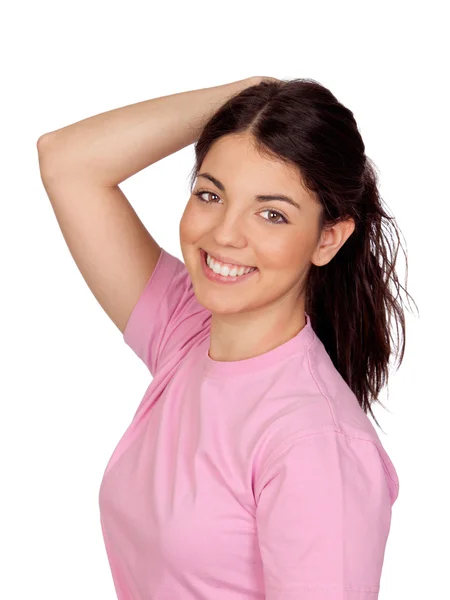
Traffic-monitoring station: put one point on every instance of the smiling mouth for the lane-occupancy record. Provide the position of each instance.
(230, 265)
(213, 276)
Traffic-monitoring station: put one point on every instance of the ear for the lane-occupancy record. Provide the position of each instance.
(332, 238)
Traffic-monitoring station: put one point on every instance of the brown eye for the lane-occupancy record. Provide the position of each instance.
(275, 212)
(200, 193)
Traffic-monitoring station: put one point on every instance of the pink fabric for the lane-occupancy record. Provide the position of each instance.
(260, 478)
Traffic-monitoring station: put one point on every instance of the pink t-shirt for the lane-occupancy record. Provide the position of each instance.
(259, 478)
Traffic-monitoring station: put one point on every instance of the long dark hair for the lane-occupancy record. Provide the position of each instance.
(348, 300)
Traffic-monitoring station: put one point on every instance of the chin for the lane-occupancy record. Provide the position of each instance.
(218, 303)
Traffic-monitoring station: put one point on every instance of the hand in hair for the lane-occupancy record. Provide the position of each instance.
(260, 78)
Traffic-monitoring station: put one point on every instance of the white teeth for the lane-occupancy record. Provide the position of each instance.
(225, 270)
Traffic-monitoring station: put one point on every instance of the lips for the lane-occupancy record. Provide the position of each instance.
(228, 263)
(218, 278)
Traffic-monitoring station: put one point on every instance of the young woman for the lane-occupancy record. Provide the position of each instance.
(251, 468)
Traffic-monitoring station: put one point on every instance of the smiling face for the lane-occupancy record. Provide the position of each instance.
(278, 238)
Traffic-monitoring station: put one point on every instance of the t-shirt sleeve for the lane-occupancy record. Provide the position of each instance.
(323, 517)
(167, 320)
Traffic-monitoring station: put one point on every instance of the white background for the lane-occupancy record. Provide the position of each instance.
(70, 385)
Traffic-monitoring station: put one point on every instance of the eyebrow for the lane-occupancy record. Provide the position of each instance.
(259, 197)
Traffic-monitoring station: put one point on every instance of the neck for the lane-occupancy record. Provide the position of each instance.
(246, 335)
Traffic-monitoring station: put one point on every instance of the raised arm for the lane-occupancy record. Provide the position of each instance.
(81, 167)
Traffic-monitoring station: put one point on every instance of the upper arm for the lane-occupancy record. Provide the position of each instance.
(323, 517)
(181, 324)
(111, 247)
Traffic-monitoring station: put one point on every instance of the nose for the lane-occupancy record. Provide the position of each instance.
(230, 231)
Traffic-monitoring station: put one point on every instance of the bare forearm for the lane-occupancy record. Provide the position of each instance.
(110, 147)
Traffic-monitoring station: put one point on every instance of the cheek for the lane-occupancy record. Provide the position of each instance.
(195, 224)
(286, 255)
(188, 225)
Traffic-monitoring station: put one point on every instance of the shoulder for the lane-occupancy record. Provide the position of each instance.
(317, 398)
(319, 401)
